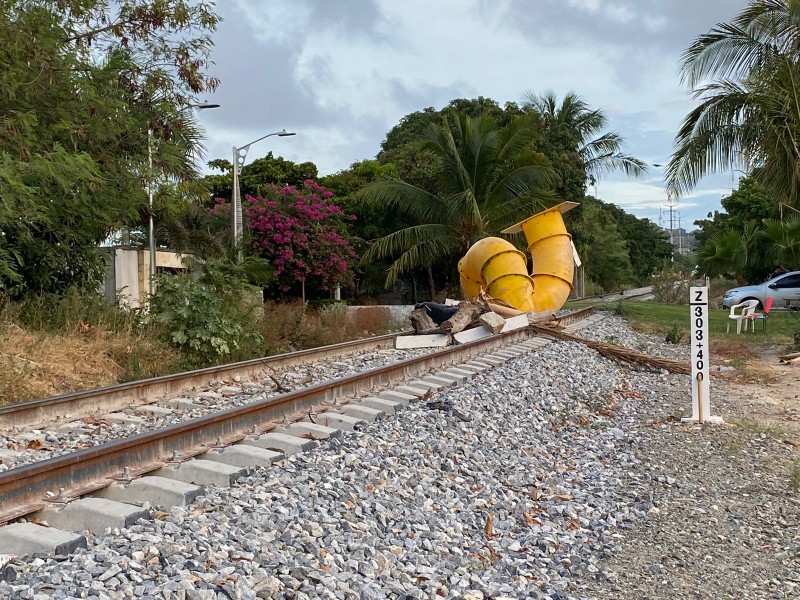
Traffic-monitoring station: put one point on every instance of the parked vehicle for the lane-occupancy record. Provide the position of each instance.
(783, 289)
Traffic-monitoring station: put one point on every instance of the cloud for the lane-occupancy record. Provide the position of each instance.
(343, 73)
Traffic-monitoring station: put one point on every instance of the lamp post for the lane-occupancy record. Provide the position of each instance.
(239, 156)
(151, 232)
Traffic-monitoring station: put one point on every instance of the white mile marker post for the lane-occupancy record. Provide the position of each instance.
(701, 399)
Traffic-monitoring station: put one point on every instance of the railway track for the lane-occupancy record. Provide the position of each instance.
(121, 396)
(219, 447)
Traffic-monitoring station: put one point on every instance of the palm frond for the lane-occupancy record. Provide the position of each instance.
(764, 31)
(400, 241)
(409, 199)
(521, 181)
(424, 254)
(520, 208)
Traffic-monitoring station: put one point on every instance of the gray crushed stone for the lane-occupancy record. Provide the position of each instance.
(558, 475)
(54, 439)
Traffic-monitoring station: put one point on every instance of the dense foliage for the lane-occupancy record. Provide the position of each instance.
(371, 222)
(749, 113)
(618, 249)
(450, 199)
(302, 234)
(257, 175)
(486, 176)
(81, 83)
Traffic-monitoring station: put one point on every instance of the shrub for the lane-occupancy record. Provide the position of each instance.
(71, 310)
(671, 288)
(674, 335)
(303, 235)
(193, 315)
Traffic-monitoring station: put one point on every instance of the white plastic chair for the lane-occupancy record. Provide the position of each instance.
(746, 308)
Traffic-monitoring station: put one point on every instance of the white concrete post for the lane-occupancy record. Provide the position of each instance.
(699, 357)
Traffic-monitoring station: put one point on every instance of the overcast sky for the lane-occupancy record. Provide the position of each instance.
(341, 73)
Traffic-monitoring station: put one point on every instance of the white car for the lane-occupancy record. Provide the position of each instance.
(784, 290)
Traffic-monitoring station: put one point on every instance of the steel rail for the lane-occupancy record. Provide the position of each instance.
(24, 489)
(29, 488)
(120, 396)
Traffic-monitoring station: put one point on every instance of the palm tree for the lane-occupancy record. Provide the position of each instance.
(487, 177)
(750, 116)
(730, 252)
(599, 155)
(764, 33)
(782, 240)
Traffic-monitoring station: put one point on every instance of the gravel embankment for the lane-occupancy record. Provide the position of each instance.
(34, 445)
(557, 475)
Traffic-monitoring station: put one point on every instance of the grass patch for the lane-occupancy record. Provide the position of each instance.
(51, 346)
(37, 364)
(754, 427)
(794, 475)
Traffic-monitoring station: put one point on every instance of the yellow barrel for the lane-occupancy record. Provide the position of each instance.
(551, 292)
(553, 255)
(471, 264)
(515, 288)
(470, 289)
(544, 224)
(502, 270)
(503, 263)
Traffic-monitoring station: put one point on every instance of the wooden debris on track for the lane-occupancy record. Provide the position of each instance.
(422, 323)
(619, 353)
(468, 313)
(493, 322)
(790, 359)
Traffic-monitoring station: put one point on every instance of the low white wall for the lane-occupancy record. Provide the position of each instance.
(398, 313)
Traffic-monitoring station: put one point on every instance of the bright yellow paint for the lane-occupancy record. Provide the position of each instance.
(494, 265)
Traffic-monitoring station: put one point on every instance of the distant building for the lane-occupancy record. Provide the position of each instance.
(683, 241)
(128, 273)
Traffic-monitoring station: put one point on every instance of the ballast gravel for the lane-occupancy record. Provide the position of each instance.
(558, 475)
(35, 445)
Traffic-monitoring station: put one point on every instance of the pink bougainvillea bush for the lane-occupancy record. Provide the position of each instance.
(303, 234)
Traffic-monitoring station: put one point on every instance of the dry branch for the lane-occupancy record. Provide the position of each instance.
(619, 353)
(422, 323)
(468, 313)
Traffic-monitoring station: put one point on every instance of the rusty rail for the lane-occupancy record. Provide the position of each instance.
(25, 488)
(120, 396)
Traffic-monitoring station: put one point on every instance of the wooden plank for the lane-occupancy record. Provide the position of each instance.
(494, 322)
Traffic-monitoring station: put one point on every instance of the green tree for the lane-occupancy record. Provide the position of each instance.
(371, 221)
(782, 241)
(729, 252)
(601, 246)
(749, 115)
(256, 177)
(749, 202)
(405, 145)
(81, 83)
(746, 207)
(487, 177)
(573, 141)
(647, 244)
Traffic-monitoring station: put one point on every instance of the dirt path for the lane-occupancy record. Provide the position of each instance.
(724, 522)
(766, 393)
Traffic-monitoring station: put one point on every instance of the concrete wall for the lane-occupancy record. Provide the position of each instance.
(397, 314)
(128, 273)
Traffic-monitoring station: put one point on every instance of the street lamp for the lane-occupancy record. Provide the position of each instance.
(151, 226)
(239, 156)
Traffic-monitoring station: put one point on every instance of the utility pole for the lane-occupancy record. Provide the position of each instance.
(671, 205)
